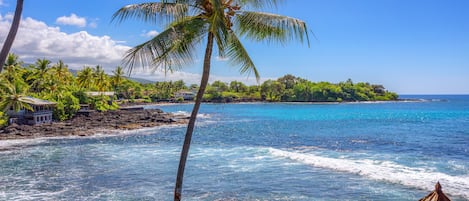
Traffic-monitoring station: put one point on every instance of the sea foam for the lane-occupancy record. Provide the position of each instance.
(420, 178)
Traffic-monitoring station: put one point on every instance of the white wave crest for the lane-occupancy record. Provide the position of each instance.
(188, 114)
(182, 113)
(384, 170)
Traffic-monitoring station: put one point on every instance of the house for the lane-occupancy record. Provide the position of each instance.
(186, 95)
(99, 93)
(41, 113)
(110, 94)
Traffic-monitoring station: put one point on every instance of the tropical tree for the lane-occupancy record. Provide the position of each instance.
(13, 70)
(13, 96)
(85, 78)
(117, 79)
(238, 87)
(12, 33)
(219, 23)
(101, 79)
(61, 73)
(38, 78)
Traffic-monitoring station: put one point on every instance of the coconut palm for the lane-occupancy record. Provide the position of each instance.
(39, 76)
(13, 96)
(85, 78)
(101, 79)
(12, 33)
(219, 23)
(61, 73)
(13, 70)
(117, 79)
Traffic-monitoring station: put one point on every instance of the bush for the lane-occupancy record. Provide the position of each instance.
(3, 119)
(66, 107)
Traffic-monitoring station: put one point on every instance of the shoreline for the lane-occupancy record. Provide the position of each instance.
(131, 116)
(97, 123)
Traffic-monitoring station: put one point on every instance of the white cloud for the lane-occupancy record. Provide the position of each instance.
(73, 20)
(150, 34)
(219, 58)
(190, 78)
(35, 39)
(93, 24)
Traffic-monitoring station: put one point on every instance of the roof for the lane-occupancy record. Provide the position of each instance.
(36, 101)
(99, 93)
(436, 195)
(185, 92)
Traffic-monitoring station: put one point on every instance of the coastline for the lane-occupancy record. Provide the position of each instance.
(104, 123)
(131, 116)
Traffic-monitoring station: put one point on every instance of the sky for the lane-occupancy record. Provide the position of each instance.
(409, 46)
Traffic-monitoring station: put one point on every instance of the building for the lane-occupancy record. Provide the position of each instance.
(110, 94)
(186, 95)
(100, 93)
(41, 113)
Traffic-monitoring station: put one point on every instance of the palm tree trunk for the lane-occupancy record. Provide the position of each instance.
(195, 110)
(12, 34)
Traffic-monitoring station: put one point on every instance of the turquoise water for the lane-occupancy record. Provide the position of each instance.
(356, 151)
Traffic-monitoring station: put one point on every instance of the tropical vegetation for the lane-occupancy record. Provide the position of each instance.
(220, 24)
(12, 33)
(55, 82)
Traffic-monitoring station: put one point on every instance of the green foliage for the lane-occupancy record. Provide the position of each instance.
(66, 107)
(179, 100)
(103, 103)
(3, 119)
(56, 83)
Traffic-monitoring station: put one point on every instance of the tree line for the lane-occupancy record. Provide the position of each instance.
(290, 88)
(55, 82)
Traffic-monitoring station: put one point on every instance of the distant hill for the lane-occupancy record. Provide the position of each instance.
(140, 80)
(74, 72)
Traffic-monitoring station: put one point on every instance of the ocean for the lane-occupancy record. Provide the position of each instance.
(259, 151)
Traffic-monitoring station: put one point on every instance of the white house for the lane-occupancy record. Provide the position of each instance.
(186, 95)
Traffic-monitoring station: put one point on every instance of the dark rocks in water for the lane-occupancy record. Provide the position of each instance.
(85, 125)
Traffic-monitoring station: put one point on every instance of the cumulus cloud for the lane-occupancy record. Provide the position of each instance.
(72, 20)
(219, 58)
(93, 24)
(35, 39)
(150, 34)
(190, 78)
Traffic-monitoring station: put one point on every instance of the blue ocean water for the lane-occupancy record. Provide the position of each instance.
(259, 151)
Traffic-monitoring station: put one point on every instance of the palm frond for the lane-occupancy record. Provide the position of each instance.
(152, 12)
(258, 4)
(271, 27)
(219, 26)
(171, 49)
(238, 55)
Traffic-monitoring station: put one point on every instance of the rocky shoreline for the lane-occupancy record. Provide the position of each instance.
(88, 124)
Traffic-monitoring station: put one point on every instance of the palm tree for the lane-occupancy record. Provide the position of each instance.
(13, 71)
(61, 73)
(13, 96)
(39, 76)
(117, 79)
(12, 33)
(85, 78)
(217, 22)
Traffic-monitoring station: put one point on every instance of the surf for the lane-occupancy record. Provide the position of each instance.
(388, 171)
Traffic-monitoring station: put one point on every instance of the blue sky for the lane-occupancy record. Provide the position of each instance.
(409, 46)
